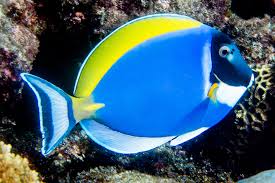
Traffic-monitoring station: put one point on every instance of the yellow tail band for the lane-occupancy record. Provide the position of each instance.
(85, 108)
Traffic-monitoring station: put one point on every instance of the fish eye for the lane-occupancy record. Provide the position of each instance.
(224, 51)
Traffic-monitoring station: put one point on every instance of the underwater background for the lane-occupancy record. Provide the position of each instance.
(52, 38)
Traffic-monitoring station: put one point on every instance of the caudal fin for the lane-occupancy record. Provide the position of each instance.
(55, 111)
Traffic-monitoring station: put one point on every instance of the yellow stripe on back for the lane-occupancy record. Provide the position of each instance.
(122, 40)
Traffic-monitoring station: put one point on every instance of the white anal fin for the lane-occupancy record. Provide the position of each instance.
(187, 136)
(119, 142)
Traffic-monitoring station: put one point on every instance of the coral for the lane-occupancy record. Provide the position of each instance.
(253, 113)
(253, 122)
(14, 168)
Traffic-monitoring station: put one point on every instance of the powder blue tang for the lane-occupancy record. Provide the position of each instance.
(157, 79)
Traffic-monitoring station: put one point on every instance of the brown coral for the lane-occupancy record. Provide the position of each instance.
(23, 12)
(253, 112)
(14, 168)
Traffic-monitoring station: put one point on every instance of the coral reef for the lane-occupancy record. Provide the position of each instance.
(245, 138)
(18, 47)
(14, 168)
(100, 17)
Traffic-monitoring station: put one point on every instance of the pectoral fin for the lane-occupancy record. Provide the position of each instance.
(213, 91)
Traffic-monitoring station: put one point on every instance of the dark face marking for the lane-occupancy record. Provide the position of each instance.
(228, 64)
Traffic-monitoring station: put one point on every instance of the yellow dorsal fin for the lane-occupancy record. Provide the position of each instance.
(212, 92)
(105, 54)
(85, 108)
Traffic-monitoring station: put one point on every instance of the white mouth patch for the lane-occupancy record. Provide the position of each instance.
(227, 94)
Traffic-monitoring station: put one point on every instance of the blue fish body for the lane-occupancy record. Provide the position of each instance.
(169, 78)
(155, 79)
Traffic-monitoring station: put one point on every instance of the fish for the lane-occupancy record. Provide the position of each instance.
(161, 78)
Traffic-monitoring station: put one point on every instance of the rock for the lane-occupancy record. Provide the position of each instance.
(19, 44)
(267, 176)
(113, 174)
(18, 47)
(172, 163)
